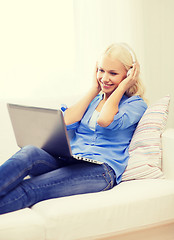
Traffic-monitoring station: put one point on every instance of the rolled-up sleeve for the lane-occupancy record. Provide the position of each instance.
(70, 126)
(130, 113)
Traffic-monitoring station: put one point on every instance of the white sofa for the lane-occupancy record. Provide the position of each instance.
(137, 209)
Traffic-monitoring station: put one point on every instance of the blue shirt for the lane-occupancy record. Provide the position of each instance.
(108, 144)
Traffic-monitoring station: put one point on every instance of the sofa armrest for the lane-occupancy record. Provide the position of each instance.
(168, 153)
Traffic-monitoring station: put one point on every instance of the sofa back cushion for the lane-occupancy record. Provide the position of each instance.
(146, 148)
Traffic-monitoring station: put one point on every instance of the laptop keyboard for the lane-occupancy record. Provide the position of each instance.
(86, 159)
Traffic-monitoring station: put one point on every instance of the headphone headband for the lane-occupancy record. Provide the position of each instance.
(130, 51)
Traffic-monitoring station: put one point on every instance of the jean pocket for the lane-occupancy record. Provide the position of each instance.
(109, 176)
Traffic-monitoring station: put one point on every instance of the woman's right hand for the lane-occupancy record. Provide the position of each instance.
(95, 83)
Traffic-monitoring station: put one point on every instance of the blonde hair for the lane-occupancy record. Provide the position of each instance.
(126, 56)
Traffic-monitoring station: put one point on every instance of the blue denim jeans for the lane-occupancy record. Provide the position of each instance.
(49, 178)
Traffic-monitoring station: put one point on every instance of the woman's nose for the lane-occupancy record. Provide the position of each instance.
(105, 77)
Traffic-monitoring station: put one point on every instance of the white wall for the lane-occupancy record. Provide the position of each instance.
(36, 48)
(158, 25)
(37, 53)
(147, 25)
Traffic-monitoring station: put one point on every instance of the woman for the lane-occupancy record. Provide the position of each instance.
(104, 121)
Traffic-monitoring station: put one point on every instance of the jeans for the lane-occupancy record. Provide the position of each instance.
(49, 178)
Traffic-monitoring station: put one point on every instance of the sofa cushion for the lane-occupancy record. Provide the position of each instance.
(23, 224)
(145, 148)
(129, 205)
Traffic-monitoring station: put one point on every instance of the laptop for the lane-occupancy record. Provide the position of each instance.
(44, 128)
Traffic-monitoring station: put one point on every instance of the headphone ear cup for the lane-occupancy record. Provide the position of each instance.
(129, 72)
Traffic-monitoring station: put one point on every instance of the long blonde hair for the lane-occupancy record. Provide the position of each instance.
(126, 56)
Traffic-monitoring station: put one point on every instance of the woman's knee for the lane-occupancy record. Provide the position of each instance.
(30, 148)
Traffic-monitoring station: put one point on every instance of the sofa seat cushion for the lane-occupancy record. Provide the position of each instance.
(129, 205)
(23, 224)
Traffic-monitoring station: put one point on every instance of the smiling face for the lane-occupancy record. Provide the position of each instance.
(110, 73)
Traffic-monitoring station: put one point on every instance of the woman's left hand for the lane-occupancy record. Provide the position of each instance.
(130, 80)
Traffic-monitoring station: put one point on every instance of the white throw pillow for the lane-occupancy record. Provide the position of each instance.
(146, 148)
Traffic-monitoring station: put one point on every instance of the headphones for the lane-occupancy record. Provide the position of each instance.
(132, 55)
